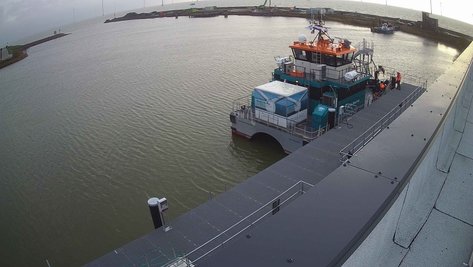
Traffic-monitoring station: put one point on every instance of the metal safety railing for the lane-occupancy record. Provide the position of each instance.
(356, 145)
(271, 207)
(365, 47)
(309, 134)
(311, 75)
(159, 256)
(243, 110)
(348, 111)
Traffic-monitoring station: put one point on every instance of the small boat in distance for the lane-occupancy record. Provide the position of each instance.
(385, 28)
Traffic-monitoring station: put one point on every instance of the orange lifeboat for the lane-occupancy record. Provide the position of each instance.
(297, 74)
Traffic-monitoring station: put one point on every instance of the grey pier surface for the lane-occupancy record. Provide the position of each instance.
(290, 180)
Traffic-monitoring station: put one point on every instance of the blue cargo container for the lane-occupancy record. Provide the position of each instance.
(280, 98)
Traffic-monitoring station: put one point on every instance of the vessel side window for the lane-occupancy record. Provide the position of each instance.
(299, 54)
(316, 58)
(339, 60)
(350, 57)
(328, 60)
(308, 55)
(344, 59)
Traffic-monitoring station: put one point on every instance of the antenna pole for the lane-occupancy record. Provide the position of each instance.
(103, 13)
(430, 6)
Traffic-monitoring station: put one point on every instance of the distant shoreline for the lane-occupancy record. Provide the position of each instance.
(19, 52)
(428, 28)
(424, 28)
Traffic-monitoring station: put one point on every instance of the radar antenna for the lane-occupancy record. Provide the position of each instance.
(318, 25)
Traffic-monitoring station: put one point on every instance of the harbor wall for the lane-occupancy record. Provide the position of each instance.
(430, 222)
(19, 52)
(427, 28)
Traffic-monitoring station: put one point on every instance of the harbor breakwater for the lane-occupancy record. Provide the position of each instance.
(427, 28)
(19, 52)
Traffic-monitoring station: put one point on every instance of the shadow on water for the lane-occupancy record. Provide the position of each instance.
(260, 143)
(266, 142)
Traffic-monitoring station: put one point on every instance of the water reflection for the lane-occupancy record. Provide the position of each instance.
(447, 50)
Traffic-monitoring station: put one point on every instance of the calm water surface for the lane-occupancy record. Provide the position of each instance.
(94, 123)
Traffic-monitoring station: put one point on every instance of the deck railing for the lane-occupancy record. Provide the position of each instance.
(242, 109)
(271, 207)
(356, 145)
(311, 75)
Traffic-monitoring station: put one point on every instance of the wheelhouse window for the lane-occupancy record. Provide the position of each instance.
(299, 54)
(329, 60)
(340, 60)
(344, 59)
(321, 58)
(350, 57)
(316, 57)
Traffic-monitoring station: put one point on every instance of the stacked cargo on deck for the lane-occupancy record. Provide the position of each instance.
(280, 103)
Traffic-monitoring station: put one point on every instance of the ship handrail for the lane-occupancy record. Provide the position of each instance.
(312, 74)
(358, 143)
(365, 46)
(300, 183)
(240, 102)
(406, 77)
(242, 106)
(293, 128)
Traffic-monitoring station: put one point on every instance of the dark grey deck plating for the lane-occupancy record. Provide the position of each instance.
(295, 232)
(311, 163)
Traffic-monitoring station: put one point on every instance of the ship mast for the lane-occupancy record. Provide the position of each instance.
(318, 26)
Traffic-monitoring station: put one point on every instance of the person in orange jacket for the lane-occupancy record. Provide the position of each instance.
(398, 80)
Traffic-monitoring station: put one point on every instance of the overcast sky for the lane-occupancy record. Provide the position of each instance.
(22, 18)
